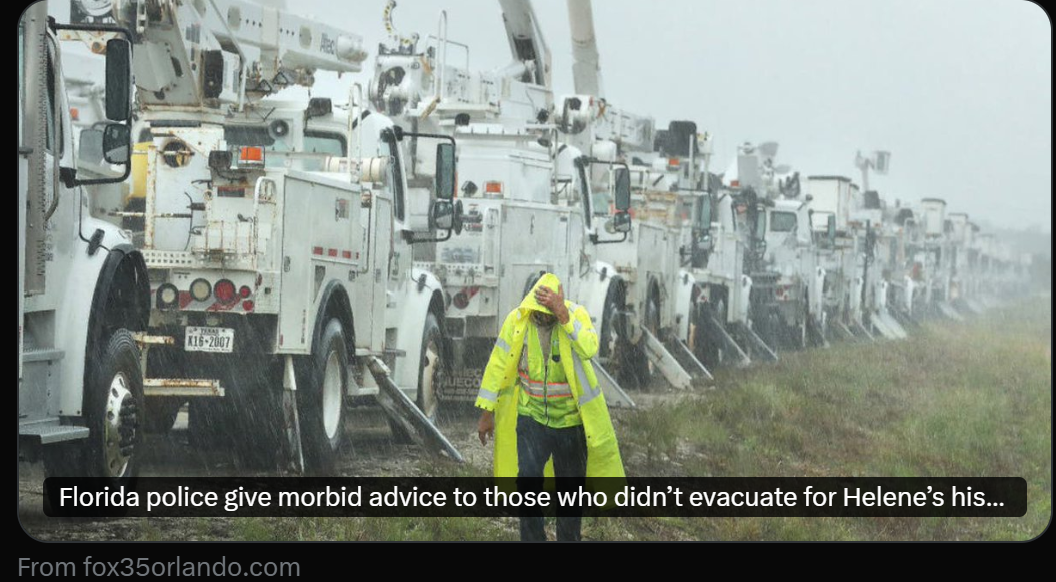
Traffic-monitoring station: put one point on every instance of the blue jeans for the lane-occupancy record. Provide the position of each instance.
(535, 445)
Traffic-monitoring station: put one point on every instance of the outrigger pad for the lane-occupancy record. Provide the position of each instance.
(406, 413)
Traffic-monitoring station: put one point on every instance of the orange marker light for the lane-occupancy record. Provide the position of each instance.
(251, 155)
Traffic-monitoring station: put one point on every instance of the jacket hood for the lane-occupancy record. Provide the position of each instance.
(529, 303)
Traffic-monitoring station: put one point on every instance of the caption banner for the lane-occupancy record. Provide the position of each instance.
(489, 497)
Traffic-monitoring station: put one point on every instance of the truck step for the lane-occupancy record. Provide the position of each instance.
(181, 387)
(48, 355)
(51, 431)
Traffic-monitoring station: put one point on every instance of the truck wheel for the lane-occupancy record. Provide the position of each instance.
(644, 368)
(705, 346)
(321, 399)
(615, 346)
(430, 370)
(430, 379)
(609, 336)
(257, 419)
(114, 413)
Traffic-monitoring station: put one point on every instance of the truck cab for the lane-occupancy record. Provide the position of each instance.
(82, 285)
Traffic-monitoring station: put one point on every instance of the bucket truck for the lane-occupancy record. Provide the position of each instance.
(641, 313)
(276, 236)
(522, 191)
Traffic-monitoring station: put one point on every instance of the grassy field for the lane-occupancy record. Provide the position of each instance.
(968, 399)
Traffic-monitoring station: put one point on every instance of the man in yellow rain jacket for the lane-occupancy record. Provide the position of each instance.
(541, 401)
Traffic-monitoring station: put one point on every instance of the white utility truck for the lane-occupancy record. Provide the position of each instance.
(522, 191)
(638, 306)
(83, 288)
(276, 235)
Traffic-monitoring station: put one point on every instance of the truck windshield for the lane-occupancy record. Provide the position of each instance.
(315, 142)
(782, 221)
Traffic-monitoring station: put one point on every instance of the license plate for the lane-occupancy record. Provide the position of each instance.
(209, 339)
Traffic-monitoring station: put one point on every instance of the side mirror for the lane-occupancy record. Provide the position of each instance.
(705, 214)
(445, 171)
(621, 222)
(90, 147)
(622, 196)
(442, 216)
(447, 215)
(116, 143)
(118, 79)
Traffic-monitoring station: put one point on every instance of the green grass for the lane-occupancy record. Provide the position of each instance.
(953, 400)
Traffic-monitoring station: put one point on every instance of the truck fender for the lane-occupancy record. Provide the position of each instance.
(424, 293)
(333, 302)
(683, 303)
(593, 288)
(120, 273)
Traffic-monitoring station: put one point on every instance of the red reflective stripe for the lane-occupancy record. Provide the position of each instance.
(332, 252)
(346, 254)
(317, 250)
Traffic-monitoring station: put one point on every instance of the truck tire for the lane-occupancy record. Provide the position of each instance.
(113, 413)
(257, 418)
(246, 423)
(322, 385)
(644, 369)
(430, 371)
(430, 377)
(609, 335)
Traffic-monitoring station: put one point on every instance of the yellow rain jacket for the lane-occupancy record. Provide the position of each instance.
(500, 389)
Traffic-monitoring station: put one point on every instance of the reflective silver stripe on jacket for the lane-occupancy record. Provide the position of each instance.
(589, 392)
(488, 395)
(553, 389)
(501, 343)
(576, 326)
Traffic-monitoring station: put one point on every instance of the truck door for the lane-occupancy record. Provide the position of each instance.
(399, 267)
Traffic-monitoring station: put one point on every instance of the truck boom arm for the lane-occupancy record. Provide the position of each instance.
(586, 65)
(209, 53)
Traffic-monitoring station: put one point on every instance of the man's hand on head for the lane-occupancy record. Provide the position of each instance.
(554, 301)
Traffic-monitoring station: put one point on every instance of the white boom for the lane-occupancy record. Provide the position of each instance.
(586, 64)
(526, 39)
(209, 53)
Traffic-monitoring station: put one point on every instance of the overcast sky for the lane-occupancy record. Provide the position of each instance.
(960, 91)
